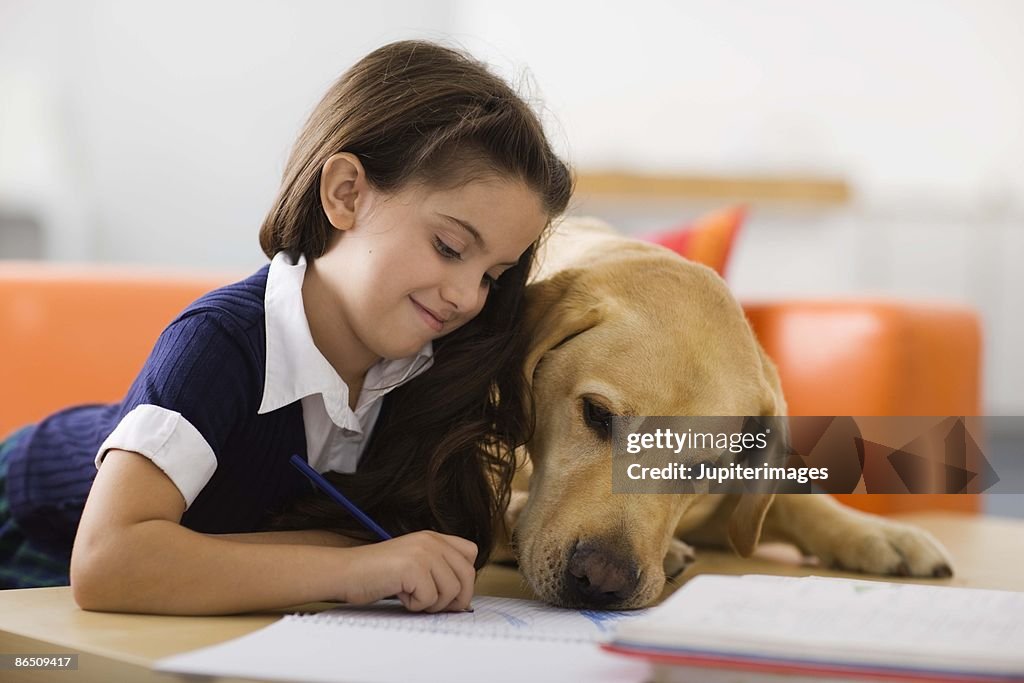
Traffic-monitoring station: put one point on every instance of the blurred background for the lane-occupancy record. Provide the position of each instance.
(878, 144)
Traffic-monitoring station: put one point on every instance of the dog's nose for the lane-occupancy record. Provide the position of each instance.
(597, 578)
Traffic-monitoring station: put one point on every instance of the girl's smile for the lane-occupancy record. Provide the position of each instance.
(433, 320)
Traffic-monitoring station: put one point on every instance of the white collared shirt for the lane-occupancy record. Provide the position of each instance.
(296, 370)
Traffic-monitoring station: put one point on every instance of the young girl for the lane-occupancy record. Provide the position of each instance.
(381, 343)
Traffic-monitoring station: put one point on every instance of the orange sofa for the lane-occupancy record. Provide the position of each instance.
(79, 334)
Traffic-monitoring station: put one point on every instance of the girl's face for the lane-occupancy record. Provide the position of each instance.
(409, 267)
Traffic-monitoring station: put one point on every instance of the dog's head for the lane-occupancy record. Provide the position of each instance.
(639, 331)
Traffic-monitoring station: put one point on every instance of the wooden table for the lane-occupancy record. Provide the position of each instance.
(988, 553)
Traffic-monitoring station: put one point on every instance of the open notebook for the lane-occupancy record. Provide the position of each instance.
(501, 640)
(832, 627)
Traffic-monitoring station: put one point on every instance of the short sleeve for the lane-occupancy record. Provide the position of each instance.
(198, 385)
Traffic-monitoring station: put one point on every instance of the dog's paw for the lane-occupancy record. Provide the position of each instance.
(887, 548)
(679, 557)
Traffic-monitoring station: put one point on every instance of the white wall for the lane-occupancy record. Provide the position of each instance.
(918, 104)
(890, 93)
(167, 124)
(156, 132)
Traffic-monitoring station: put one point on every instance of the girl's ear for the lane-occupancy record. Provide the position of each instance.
(342, 180)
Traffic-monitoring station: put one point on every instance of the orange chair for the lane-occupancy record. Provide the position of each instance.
(78, 334)
(876, 357)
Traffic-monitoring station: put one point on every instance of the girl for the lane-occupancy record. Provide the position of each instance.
(381, 343)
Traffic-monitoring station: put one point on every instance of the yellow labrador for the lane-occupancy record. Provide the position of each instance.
(625, 327)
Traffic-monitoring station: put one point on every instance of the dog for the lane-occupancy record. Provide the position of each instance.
(620, 326)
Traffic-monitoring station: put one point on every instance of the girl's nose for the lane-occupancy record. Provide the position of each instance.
(463, 291)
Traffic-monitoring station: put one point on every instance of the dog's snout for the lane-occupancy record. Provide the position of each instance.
(597, 578)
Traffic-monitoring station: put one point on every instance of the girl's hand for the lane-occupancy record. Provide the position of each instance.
(428, 572)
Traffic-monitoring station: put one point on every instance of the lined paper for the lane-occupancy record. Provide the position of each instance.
(503, 639)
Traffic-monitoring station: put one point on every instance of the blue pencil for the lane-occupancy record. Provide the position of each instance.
(335, 494)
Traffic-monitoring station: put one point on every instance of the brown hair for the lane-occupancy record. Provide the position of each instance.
(442, 451)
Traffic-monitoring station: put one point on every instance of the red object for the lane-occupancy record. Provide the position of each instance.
(707, 240)
(769, 666)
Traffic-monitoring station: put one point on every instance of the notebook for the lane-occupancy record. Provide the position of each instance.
(832, 627)
(501, 640)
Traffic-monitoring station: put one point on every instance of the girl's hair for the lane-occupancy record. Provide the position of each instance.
(441, 455)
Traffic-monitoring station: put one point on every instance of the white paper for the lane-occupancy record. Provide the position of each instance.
(840, 620)
(501, 640)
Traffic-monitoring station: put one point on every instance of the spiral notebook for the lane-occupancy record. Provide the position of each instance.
(501, 640)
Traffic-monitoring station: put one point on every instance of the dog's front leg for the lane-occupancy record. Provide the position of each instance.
(845, 538)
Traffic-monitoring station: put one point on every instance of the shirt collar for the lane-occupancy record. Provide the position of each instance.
(295, 367)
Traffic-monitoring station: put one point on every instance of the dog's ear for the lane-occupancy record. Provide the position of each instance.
(556, 310)
(746, 521)
(752, 508)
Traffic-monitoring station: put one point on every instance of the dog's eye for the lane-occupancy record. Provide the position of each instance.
(597, 418)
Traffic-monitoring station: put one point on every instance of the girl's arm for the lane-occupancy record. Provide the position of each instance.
(131, 554)
(299, 537)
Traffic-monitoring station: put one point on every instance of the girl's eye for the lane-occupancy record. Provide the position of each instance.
(489, 282)
(446, 251)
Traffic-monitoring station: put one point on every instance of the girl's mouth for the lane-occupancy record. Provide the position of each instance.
(429, 318)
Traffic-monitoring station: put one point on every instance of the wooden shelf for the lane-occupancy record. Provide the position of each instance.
(632, 186)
